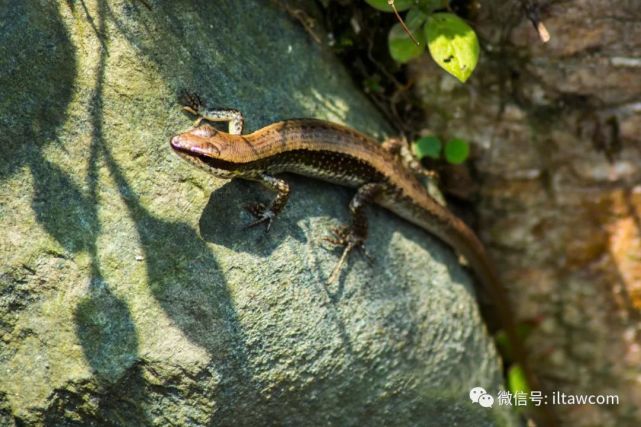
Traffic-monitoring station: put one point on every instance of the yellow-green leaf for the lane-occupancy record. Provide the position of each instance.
(453, 44)
(516, 380)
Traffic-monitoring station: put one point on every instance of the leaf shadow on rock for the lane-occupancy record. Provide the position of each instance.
(31, 113)
(168, 247)
(104, 324)
(32, 110)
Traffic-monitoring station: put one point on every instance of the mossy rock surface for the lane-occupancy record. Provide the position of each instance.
(130, 294)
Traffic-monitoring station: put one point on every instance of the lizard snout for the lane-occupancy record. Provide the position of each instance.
(193, 144)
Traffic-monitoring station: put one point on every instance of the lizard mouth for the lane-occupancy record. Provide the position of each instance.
(180, 144)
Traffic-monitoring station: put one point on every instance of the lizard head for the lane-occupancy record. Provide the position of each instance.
(208, 148)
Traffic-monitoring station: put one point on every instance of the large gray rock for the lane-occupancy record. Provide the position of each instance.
(129, 292)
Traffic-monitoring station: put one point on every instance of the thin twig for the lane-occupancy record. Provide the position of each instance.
(407, 30)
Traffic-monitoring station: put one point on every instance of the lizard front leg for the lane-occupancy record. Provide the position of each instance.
(193, 104)
(353, 236)
(262, 213)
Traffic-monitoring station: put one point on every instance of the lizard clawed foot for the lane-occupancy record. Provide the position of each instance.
(262, 214)
(346, 237)
(192, 103)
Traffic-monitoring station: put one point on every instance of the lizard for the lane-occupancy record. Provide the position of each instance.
(343, 156)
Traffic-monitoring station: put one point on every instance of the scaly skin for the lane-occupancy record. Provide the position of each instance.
(343, 156)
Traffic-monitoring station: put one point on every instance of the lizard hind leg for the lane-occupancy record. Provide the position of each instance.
(353, 236)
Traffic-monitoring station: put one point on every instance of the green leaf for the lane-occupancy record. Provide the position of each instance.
(382, 5)
(456, 151)
(401, 46)
(453, 44)
(429, 146)
(414, 19)
(429, 6)
(516, 380)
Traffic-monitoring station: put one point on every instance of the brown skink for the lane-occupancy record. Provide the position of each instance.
(340, 155)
